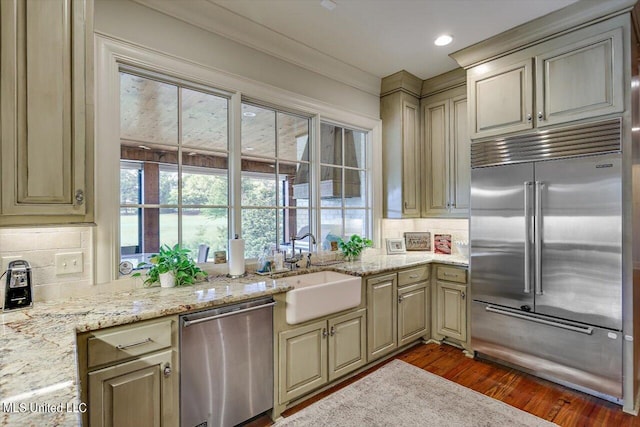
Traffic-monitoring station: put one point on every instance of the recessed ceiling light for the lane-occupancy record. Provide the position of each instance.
(249, 149)
(144, 147)
(443, 40)
(192, 154)
(249, 114)
(328, 4)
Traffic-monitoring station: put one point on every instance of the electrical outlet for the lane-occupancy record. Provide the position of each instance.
(7, 259)
(71, 262)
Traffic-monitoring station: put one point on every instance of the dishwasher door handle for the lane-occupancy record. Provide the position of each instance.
(188, 322)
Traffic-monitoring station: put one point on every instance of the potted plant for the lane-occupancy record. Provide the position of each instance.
(352, 248)
(172, 266)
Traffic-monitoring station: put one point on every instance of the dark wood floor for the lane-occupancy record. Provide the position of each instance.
(542, 398)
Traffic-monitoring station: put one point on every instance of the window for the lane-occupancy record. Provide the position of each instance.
(175, 172)
(274, 178)
(345, 208)
(173, 167)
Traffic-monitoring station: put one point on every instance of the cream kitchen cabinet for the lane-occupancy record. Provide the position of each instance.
(397, 310)
(46, 111)
(319, 352)
(130, 374)
(400, 114)
(575, 76)
(450, 314)
(446, 176)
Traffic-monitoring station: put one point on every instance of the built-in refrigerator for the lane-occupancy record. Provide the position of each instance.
(546, 255)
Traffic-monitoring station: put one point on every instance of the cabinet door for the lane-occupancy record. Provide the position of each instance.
(582, 79)
(382, 294)
(451, 316)
(347, 343)
(413, 312)
(136, 394)
(411, 159)
(460, 158)
(436, 142)
(500, 98)
(303, 360)
(43, 52)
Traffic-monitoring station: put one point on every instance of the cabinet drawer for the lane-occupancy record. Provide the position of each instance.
(126, 342)
(413, 275)
(451, 274)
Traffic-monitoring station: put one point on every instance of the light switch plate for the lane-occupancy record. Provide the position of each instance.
(68, 263)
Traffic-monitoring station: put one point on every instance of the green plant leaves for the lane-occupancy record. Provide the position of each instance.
(175, 259)
(354, 246)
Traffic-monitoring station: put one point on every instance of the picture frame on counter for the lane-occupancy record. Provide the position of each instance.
(395, 246)
(442, 244)
(418, 241)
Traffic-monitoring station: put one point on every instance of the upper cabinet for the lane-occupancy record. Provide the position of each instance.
(46, 111)
(446, 147)
(501, 98)
(576, 76)
(400, 114)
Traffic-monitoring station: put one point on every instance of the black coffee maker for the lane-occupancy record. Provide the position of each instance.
(18, 292)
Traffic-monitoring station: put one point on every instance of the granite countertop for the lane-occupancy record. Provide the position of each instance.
(38, 359)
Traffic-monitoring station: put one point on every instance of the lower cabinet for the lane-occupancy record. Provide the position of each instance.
(135, 393)
(382, 319)
(413, 310)
(130, 375)
(397, 310)
(314, 354)
(451, 303)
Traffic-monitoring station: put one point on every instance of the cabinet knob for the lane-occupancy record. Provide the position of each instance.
(332, 332)
(167, 370)
(79, 197)
(529, 118)
(400, 298)
(540, 116)
(324, 332)
(463, 295)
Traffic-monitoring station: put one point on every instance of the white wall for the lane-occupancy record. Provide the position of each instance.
(132, 22)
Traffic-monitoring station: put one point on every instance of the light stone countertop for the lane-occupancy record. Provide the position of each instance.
(38, 359)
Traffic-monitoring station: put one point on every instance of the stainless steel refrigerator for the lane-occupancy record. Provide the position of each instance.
(546, 256)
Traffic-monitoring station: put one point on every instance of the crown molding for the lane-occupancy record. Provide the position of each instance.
(401, 81)
(216, 19)
(445, 81)
(575, 15)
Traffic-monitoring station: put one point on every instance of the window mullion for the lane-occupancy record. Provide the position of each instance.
(235, 166)
(180, 166)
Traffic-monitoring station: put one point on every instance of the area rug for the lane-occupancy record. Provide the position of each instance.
(400, 394)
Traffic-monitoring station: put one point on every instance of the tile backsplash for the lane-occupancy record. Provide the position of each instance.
(458, 228)
(39, 246)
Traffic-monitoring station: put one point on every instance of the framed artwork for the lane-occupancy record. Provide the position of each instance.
(418, 241)
(395, 246)
(442, 243)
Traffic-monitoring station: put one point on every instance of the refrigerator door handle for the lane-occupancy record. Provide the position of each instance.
(538, 239)
(527, 237)
(588, 330)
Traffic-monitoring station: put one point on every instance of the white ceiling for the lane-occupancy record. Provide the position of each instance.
(385, 36)
(378, 37)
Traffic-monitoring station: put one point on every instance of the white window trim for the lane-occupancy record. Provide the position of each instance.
(110, 53)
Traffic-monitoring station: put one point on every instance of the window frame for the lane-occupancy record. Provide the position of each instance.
(113, 55)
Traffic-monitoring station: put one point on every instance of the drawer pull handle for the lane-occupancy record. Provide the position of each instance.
(135, 344)
(414, 276)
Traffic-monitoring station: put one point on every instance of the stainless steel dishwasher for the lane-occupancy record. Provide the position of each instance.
(226, 364)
